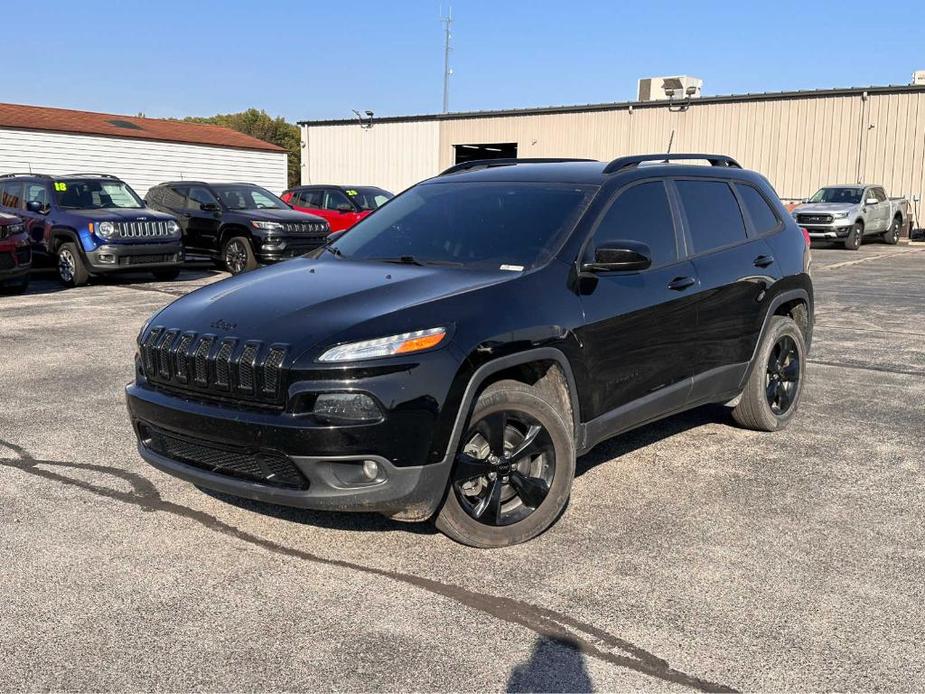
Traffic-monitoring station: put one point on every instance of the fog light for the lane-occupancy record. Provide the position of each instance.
(105, 258)
(346, 408)
(370, 469)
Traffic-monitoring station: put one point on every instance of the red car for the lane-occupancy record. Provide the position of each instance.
(342, 206)
(15, 254)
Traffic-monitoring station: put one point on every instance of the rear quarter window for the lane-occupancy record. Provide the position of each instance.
(763, 217)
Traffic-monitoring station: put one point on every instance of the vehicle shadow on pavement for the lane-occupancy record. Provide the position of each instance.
(45, 280)
(556, 665)
(333, 520)
(653, 433)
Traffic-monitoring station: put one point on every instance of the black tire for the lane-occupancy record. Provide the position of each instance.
(71, 268)
(528, 493)
(756, 408)
(167, 274)
(891, 235)
(238, 255)
(855, 237)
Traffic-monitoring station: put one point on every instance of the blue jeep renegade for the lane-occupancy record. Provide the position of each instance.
(92, 224)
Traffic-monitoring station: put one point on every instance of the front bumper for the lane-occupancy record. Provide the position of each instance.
(328, 459)
(273, 249)
(828, 231)
(134, 257)
(15, 262)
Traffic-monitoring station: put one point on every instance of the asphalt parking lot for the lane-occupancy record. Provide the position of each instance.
(693, 555)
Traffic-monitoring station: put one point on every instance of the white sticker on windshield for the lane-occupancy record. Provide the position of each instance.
(513, 268)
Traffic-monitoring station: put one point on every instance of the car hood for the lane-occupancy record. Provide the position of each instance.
(824, 207)
(123, 215)
(307, 301)
(286, 215)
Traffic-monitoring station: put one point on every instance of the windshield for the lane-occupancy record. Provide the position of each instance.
(243, 197)
(95, 194)
(850, 195)
(509, 226)
(368, 198)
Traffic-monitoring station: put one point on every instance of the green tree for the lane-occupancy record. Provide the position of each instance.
(258, 123)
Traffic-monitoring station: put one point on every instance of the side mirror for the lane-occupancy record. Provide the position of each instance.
(345, 207)
(625, 256)
(210, 207)
(35, 206)
(871, 201)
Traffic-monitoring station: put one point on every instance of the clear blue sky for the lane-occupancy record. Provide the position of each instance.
(306, 60)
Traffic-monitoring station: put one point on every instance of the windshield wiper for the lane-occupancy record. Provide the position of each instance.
(411, 260)
(336, 252)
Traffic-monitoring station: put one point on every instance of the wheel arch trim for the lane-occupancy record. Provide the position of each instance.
(482, 373)
(799, 294)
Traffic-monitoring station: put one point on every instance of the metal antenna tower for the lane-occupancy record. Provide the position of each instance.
(447, 25)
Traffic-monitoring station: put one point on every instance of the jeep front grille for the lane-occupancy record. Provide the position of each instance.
(305, 227)
(224, 368)
(141, 230)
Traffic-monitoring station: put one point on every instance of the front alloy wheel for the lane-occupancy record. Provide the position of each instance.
(236, 256)
(66, 265)
(506, 468)
(513, 469)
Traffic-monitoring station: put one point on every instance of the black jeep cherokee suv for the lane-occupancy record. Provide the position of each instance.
(455, 351)
(238, 224)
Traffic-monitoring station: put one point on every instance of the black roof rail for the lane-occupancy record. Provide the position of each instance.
(91, 174)
(13, 175)
(488, 163)
(621, 163)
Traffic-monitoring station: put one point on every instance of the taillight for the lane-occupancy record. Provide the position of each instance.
(806, 235)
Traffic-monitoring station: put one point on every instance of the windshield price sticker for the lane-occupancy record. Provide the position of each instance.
(352, 193)
(60, 187)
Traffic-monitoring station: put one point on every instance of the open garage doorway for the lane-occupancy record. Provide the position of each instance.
(503, 150)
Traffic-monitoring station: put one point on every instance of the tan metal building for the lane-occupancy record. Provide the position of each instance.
(799, 140)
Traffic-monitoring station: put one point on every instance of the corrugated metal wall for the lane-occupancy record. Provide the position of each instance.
(799, 142)
(140, 163)
(391, 155)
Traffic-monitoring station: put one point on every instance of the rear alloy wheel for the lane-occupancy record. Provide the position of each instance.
(891, 235)
(71, 268)
(855, 237)
(513, 469)
(773, 390)
(238, 255)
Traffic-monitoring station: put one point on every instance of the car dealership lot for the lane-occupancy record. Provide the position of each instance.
(693, 554)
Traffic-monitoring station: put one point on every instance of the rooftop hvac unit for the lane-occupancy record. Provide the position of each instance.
(666, 88)
(918, 78)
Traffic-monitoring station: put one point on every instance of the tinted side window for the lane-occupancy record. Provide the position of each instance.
(11, 194)
(198, 196)
(880, 195)
(334, 198)
(312, 198)
(36, 192)
(713, 214)
(174, 198)
(641, 213)
(762, 215)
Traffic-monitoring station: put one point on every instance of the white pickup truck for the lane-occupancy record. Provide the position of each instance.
(849, 213)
